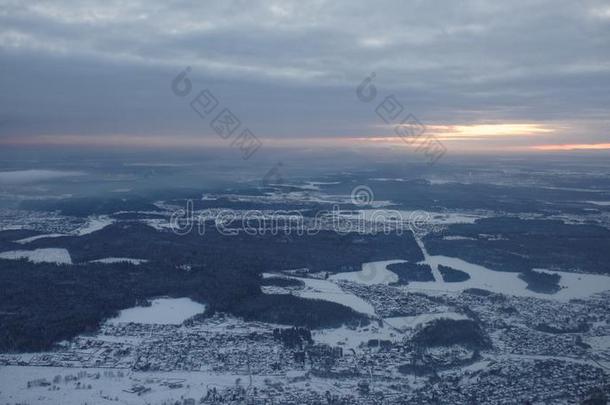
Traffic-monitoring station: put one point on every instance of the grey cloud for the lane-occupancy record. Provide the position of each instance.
(290, 68)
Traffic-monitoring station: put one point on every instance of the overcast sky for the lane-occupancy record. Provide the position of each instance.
(480, 75)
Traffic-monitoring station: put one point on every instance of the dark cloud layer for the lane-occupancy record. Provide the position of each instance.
(290, 69)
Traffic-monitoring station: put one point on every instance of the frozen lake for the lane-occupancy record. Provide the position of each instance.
(574, 285)
(371, 273)
(329, 291)
(166, 311)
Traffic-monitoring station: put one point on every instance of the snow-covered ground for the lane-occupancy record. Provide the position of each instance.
(311, 185)
(329, 291)
(47, 255)
(576, 285)
(79, 386)
(94, 224)
(457, 237)
(110, 260)
(108, 384)
(165, 311)
(600, 203)
(393, 329)
(409, 322)
(351, 338)
(371, 273)
(35, 238)
(579, 285)
(388, 179)
(406, 216)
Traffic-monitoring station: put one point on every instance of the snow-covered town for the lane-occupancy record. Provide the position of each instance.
(166, 353)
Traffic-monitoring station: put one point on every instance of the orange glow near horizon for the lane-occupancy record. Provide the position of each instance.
(573, 146)
(488, 130)
(139, 141)
(474, 132)
(471, 138)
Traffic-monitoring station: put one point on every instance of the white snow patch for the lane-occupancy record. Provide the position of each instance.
(407, 216)
(110, 260)
(329, 291)
(34, 238)
(94, 224)
(576, 285)
(409, 322)
(159, 224)
(388, 179)
(351, 338)
(457, 237)
(313, 185)
(600, 203)
(599, 343)
(48, 255)
(165, 311)
(371, 273)
(105, 388)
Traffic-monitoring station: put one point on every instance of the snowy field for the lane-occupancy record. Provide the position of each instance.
(35, 238)
(166, 311)
(78, 386)
(371, 273)
(94, 224)
(600, 203)
(329, 291)
(574, 285)
(392, 329)
(48, 255)
(111, 260)
(352, 338)
(403, 323)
